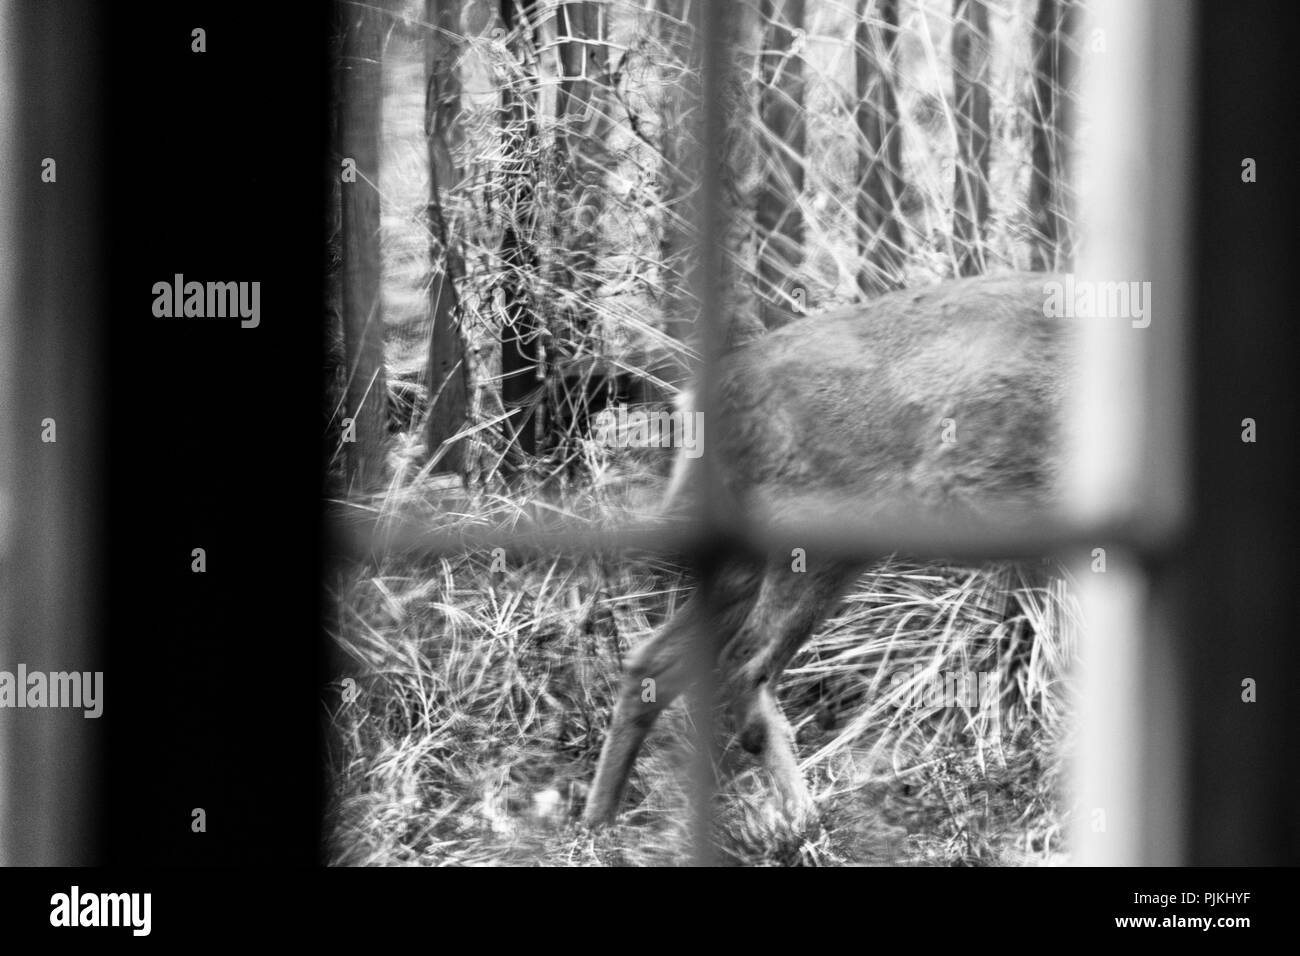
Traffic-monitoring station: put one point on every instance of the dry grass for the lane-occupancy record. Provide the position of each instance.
(482, 695)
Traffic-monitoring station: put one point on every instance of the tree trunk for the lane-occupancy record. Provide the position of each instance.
(521, 360)
(447, 372)
(1049, 201)
(971, 71)
(681, 88)
(778, 216)
(581, 160)
(363, 325)
(582, 111)
(880, 231)
(683, 170)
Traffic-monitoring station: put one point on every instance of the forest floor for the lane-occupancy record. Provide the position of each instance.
(482, 696)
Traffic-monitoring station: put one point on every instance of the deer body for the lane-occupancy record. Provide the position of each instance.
(941, 400)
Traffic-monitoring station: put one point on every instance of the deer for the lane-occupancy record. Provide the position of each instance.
(848, 405)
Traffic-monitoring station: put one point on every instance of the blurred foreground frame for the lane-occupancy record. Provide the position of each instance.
(1152, 680)
(51, 322)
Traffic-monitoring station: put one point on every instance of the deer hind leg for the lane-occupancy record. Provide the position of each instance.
(668, 661)
(789, 606)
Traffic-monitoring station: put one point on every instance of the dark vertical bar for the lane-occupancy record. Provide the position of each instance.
(714, 56)
(49, 585)
(1242, 608)
(215, 438)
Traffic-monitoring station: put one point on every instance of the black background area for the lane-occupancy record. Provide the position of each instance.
(216, 169)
